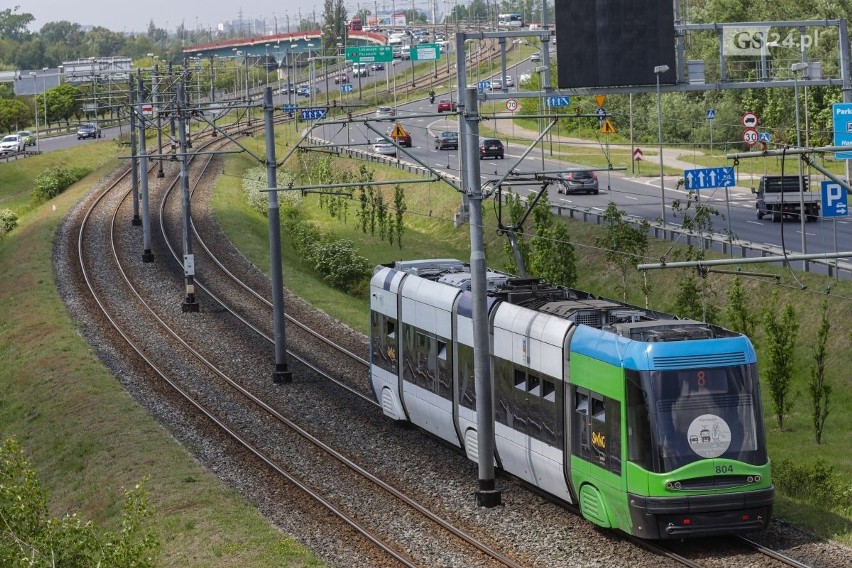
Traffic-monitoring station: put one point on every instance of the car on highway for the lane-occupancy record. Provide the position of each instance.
(400, 136)
(305, 90)
(377, 66)
(288, 88)
(585, 181)
(447, 106)
(446, 140)
(88, 131)
(496, 84)
(384, 147)
(29, 139)
(385, 112)
(11, 144)
(535, 56)
(342, 78)
(490, 148)
(508, 81)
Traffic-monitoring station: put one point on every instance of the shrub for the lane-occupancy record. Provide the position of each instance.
(53, 181)
(816, 483)
(339, 263)
(8, 221)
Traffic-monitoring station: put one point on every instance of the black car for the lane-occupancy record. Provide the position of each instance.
(490, 148)
(447, 140)
(88, 131)
(579, 182)
(377, 66)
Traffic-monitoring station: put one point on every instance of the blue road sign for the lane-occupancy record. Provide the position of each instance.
(711, 114)
(313, 113)
(764, 137)
(289, 108)
(834, 200)
(346, 88)
(601, 112)
(484, 86)
(707, 178)
(563, 101)
(842, 113)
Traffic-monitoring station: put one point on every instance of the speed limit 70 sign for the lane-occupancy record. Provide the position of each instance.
(750, 136)
(511, 105)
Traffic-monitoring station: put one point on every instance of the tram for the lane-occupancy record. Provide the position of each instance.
(650, 424)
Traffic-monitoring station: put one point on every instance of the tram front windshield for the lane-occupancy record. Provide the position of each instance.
(677, 417)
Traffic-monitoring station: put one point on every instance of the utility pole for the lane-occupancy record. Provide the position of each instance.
(189, 302)
(134, 162)
(147, 254)
(281, 373)
(487, 495)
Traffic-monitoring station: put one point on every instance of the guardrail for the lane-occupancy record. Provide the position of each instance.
(734, 248)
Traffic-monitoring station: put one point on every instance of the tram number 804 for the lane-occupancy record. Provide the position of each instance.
(724, 469)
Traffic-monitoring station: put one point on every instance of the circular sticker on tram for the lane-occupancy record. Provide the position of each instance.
(709, 436)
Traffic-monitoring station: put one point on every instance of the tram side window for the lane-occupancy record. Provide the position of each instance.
(613, 412)
(551, 414)
(580, 443)
(639, 449)
(384, 340)
(445, 370)
(503, 388)
(467, 384)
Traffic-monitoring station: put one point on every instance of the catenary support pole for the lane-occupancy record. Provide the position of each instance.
(189, 302)
(461, 74)
(147, 255)
(487, 495)
(155, 89)
(134, 160)
(281, 374)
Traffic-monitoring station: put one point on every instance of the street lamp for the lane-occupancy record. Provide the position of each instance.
(658, 70)
(44, 93)
(795, 68)
(35, 109)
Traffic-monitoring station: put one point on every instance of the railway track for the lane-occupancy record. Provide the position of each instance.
(211, 390)
(201, 385)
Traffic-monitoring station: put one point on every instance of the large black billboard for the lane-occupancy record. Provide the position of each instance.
(611, 43)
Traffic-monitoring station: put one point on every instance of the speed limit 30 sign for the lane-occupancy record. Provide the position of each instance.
(750, 136)
(511, 105)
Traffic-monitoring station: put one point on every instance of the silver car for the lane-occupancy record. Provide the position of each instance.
(11, 144)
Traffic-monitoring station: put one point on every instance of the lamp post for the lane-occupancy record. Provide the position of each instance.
(796, 68)
(35, 110)
(658, 70)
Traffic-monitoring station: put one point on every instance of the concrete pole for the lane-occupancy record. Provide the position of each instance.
(147, 255)
(189, 302)
(155, 89)
(461, 74)
(134, 161)
(281, 374)
(487, 495)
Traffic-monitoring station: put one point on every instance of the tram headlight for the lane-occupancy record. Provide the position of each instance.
(757, 479)
(669, 485)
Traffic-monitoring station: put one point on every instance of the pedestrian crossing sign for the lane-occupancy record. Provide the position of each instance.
(607, 127)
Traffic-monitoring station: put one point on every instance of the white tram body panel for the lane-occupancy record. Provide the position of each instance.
(384, 294)
(426, 309)
(532, 340)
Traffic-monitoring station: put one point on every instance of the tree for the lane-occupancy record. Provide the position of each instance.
(30, 537)
(63, 102)
(14, 115)
(625, 245)
(13, 25)
(819, 390)
(552, 258)
(334, 24)
(400, 207)
(516, 207)
(737, 312)
(781, 339)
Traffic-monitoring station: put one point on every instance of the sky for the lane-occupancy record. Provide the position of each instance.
(124, 15)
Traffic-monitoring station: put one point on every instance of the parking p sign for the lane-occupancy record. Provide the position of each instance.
(834, 200)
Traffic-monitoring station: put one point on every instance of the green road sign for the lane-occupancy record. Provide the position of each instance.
(370, 54)
(425, 52)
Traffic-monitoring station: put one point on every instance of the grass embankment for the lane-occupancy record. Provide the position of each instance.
(87, 439)
(430, 234)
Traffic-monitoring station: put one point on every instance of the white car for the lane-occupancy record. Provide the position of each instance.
(382, 146)
(385, 112)
(535, 56)
(509, 81)
(12, 144)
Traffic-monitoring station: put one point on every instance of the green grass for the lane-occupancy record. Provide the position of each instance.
(430, 233)
(87, 439)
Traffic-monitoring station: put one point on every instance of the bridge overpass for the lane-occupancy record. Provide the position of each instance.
(292, 48)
